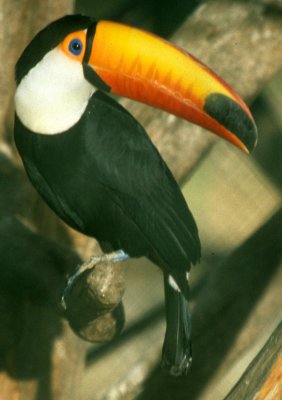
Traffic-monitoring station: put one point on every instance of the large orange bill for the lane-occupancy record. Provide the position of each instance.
(143, 67)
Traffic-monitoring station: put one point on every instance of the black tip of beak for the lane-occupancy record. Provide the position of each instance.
(230, 114)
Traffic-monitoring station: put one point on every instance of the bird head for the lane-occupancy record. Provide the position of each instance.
(76, 55)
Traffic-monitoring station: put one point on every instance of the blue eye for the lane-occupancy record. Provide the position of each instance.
(75, 47)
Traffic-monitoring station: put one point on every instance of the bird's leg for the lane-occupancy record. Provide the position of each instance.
(114, 257)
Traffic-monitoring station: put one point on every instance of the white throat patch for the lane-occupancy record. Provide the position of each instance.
(52, 97)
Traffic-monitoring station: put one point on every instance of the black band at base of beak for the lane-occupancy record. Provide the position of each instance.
(94, 78)
(88, 71)
(91, 30)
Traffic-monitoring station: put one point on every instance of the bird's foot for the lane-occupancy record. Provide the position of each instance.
(114, 257)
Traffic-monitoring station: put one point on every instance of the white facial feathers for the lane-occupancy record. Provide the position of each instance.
(52, 97)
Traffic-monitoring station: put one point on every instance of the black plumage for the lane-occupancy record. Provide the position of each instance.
(105, 178)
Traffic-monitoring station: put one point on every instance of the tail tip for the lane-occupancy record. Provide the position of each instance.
(178, 369)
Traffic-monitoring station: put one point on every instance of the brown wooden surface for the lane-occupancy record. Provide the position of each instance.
(263, 378)
(93, 304)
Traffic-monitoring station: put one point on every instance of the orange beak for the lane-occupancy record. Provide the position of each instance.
(140, 66)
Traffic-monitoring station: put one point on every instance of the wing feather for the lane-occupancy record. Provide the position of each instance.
(134, 169)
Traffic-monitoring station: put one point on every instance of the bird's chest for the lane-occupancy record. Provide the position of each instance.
(64, 171)
(59, 158)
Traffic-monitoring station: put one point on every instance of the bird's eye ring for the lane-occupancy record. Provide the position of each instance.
(75, 47)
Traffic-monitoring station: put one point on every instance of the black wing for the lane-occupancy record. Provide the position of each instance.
(141, 185)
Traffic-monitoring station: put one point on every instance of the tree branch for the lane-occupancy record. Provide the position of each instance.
(262, 379)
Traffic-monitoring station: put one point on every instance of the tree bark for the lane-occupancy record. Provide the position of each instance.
(263, 378)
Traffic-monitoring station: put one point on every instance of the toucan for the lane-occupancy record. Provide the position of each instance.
(95, 165)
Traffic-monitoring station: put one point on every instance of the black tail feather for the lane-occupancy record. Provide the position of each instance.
(177, 349)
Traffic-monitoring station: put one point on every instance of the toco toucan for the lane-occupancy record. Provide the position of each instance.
(94, 164)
